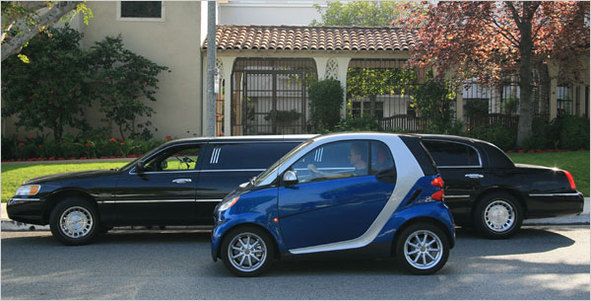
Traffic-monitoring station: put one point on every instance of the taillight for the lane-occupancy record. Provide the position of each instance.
(437, 182)
(571, 181)
(438, 195)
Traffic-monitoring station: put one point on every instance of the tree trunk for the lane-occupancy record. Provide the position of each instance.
(524, 129)
(46, 17)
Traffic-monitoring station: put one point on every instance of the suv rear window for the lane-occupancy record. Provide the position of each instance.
(451, 154)
(255, 155)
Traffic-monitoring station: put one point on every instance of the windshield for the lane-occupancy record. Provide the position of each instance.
(148, 154)
(271, 171)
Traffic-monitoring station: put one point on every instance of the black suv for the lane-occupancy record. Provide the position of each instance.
(178, 183)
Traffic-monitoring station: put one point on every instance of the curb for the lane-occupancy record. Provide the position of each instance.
(10, 225)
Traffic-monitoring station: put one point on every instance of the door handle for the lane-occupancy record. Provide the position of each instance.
(474, 176)
(181, 181)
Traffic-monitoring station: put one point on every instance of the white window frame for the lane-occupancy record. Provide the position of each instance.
(127, 19)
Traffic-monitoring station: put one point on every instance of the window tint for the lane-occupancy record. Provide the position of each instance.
(246, 155)
(178, 158)
(333, 161)
(450, 154)
(381, 158)
(141, 9)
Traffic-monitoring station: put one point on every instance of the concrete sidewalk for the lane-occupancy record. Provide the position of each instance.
(582, 219)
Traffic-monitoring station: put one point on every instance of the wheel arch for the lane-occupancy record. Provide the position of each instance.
(55, 198)
(420, 219)
(275, 245)
(518, 197)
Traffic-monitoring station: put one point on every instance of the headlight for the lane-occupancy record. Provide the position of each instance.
(227, 204)
(27, 190)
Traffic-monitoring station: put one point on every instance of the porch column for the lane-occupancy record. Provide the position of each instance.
(343, 67)
(226, 73)
(553, 106)
(321, 67)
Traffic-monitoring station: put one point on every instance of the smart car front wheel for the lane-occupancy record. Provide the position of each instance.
(247, 251)
(422, 248)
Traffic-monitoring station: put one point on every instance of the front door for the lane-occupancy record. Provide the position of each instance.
(163, 192)
(341, 191)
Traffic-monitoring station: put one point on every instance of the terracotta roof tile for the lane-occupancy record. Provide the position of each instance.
(313, 38)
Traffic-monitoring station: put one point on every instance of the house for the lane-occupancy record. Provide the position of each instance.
(266, 58)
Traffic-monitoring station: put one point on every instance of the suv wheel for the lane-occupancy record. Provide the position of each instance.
(422, 248)
(247, 251)
(498, 215)
(74, 222)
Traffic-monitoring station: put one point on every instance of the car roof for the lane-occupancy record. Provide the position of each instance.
(244, 138)
(450, 138)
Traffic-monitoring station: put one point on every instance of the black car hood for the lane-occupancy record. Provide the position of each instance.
(69, 176)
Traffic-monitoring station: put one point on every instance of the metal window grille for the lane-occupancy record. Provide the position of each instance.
(270, 95)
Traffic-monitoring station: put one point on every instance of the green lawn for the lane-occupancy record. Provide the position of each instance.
(13, 174)
(575, 162)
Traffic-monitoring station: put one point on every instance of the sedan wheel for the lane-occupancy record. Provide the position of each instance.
(247, 251)
(422, 248)
(498, 215)
(73, 222)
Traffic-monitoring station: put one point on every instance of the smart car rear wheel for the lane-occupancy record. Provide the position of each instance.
(422, 248)
(247, 251)
(73, 222)
(498, 215)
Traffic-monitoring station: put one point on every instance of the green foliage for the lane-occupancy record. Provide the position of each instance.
(326, 100)
(433, 101)
(357, 13)
(50, 91)
(283, 117)
(358, 124)
(122, 78)
(93, 145)
(569, 132)
(502, 137)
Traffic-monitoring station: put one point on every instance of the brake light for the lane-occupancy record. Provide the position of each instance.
(571, 181)
(438, 195)
(437, 182)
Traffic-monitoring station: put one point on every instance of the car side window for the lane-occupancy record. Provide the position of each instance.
(451, 154)
(255, 155)
(178, 158)
(333, 161)
(381, 159)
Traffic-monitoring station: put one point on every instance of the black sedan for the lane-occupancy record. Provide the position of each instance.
(486, 190)
(178, 183)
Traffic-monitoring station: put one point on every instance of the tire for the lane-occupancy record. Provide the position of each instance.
(498, 216)
(430, 245)
(247, 251)
(74, 222)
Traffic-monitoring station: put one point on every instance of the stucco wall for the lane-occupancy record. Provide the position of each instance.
(173, 42)
(268, 14)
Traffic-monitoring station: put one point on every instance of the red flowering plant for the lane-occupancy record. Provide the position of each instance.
(50, 89)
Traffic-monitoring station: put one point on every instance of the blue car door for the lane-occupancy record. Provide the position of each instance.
(341, 189)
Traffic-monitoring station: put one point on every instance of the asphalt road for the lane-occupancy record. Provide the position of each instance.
(541, 262)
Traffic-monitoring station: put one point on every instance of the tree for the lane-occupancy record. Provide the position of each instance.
(49, 90)
(326, 100)
(356, 13)
(121, 79)
(22, 20)
(491, 40)
(371, 82)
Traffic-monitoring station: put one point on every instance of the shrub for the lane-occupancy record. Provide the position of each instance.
(326, 100)
(121, 79)
(504, 138)
(358, 124)
(433, 100)
(49, 89)
(574, 132)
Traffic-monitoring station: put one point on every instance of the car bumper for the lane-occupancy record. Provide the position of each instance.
(26, 210)
(554, 204)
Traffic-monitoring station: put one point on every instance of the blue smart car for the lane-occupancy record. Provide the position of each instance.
(348, 191)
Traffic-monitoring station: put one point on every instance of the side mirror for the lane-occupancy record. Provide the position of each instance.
(290, 178)
(139, 167)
